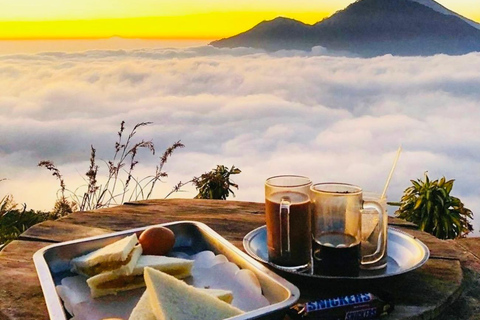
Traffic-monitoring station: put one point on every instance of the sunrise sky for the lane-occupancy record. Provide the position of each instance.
(161, 19)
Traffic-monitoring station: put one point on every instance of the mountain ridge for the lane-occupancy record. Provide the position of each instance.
(439, 8)
(368, 28)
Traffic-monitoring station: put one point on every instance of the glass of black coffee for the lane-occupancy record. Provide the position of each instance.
(288, 219)
(336, 228)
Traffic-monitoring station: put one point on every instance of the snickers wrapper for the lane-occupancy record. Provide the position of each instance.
(356, 306)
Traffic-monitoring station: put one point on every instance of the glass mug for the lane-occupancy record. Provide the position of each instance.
(375, 232)
(337, 229)
(288, 219)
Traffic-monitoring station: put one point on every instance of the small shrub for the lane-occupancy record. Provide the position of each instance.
(14, 222)
(216, 184)
(429, 205)
(63, 207)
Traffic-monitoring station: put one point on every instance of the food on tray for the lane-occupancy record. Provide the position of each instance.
(84, 307)
(171, 298)
(72, 291)
(224, 295)
(157, 240)
(112, 282)
(105, 295)
(215, 271)
(143, 310)
(120, 257)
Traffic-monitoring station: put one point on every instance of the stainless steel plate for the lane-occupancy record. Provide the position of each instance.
(53, 264)
(405, 253)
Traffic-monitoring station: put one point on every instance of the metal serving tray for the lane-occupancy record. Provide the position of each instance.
(52, 264)
(405, 254)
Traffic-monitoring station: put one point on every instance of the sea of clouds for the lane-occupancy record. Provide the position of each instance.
(328, 117)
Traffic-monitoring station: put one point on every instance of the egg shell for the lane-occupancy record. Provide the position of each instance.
(157, 241)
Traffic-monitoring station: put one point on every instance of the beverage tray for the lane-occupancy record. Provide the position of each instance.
(53, 265)
(405, 253)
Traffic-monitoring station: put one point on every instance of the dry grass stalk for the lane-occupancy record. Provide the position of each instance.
(118, 185)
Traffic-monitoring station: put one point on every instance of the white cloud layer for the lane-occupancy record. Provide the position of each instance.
(330, 118)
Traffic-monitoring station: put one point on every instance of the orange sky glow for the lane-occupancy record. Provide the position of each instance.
(195, 26)
(161, 19)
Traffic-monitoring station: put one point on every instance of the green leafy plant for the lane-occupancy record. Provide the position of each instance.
(216, 184)
(429, 205)
(14, 222)
(64, 207)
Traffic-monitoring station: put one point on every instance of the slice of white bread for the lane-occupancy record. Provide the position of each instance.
(113, 282)
(224, 295)
(177, 267)
(171, 298)
(121, 256)
(143, 310)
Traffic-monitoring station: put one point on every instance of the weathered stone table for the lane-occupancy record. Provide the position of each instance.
(425, 293)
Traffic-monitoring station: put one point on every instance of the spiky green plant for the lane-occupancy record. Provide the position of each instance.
(216, 184)
(429, 205)
(14, 222)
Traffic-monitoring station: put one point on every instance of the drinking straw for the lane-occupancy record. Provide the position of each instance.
(391, 172)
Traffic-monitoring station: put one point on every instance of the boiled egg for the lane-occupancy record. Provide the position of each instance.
(156, 241)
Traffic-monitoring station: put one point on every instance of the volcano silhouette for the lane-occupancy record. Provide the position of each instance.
(370, 28)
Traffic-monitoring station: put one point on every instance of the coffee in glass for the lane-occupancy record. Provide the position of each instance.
(336, 228)
(288, 219)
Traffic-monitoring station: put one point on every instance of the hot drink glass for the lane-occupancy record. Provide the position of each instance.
(374, 233)
(288, 219)
(336, 229)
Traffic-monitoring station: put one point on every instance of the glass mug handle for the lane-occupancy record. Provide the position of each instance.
(284, 213)
(378, 254)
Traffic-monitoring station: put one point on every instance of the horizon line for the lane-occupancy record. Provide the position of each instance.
(110, 37)
(198, 26)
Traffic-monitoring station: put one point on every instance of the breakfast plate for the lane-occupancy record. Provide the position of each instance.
(191, 239)
(405, 254)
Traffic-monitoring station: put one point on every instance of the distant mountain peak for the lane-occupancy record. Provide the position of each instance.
(280, 22)
(281, 19)
(284, 20)
(370, 28)
(270, 35)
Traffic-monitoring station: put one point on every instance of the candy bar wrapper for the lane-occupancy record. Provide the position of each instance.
(356, 306)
